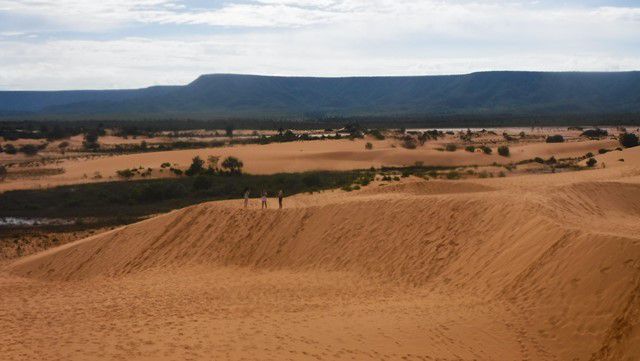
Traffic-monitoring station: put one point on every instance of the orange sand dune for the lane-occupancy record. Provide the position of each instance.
(543, 267)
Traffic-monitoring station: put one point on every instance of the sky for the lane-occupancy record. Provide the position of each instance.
(108, 44)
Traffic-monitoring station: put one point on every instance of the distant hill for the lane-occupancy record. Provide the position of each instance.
(226, 95)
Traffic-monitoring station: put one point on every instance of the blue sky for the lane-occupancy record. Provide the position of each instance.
(87, 44)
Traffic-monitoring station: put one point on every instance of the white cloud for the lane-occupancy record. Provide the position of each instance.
(305, 37)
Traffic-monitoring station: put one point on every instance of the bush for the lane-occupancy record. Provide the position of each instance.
(503, 150)
(233, 165)
(588, 155)
(555, 139)
(591, 162)
(628, 140)
(453, 175)
(470, 148)
(409, 142)
(125, 173)
(196, 167)
(10, 149)
(595, 133)
(155, 192)
(486, 149)
(538, 160)
(450, 147)
(3, 171)
(368, 146)
(165, 165)
(603, 151)
(377, 134)
(202, 182)
(29, 149)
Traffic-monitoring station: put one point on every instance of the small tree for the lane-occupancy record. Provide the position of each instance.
(503, 150)
(212, 161)
(196, 167)
(229, 131)
(233, 165)
(368, 146)
(91, 140)
(628, 140)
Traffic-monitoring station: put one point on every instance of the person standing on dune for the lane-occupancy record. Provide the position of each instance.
(247, 193)
(264, 199)
(280, 197)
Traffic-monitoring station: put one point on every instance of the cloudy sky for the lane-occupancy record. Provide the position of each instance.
(82, 44)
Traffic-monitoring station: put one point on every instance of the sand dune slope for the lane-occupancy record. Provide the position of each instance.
(558, 269)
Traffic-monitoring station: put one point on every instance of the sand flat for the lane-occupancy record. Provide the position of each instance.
(304, 156)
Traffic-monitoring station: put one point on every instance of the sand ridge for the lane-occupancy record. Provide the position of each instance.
(543, 267)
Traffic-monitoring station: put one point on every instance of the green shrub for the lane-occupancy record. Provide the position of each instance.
(486, 150)
(628, 140)
(470, 148)
(555, 139)
(503, 150)
(595, 133)
(125, 173)
(29, 149)
(409, 142)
